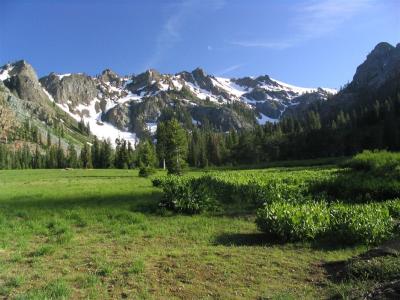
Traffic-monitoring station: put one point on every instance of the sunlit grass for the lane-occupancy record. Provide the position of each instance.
(99, 234)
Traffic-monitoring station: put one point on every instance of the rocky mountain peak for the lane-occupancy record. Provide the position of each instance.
(109, 76)
(265, 79)
(70, 89)
(23, 68)
(381, 49)
(152, 74)
(382, 63)
(199, 72)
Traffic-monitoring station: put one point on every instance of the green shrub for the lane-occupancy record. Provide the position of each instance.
(394, 207)
(252, 189)
(291, 222)
(359, 187)
(146, 171)
(186, 195)
(378, 162)
(362, 223)
(340, 223)
(372, 175)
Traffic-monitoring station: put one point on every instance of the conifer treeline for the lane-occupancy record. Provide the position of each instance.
(100, 154)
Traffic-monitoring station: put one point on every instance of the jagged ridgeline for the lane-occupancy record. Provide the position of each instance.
(27, 114)
(130, 107)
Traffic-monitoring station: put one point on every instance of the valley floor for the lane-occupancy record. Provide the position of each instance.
(99, 234)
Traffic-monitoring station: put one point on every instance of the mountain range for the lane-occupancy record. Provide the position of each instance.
(130, 106)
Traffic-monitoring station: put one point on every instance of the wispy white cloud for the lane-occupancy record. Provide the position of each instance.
(170, 33)
(229, 69)
(318, 18)
(313, 19)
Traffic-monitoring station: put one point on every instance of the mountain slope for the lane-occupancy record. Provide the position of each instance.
(134, 104)
(22, 96)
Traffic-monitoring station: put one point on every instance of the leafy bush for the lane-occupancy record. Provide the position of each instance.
(358, 187)
(366, 223)
(196, 194)
(290, 222)
(343, 223)
(394, 208)
(377, 162)
(186, 195)
(373, 175)
(146, 171)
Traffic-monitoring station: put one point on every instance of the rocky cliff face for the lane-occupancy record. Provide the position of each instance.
(24, 101)
(71, 90)
(382, 64)
(21, 80)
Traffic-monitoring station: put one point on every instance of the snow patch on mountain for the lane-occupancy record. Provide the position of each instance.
(61, 76)
(201, 93)
(229, 86)
(5, 73)
(299, 90)
(263, 119)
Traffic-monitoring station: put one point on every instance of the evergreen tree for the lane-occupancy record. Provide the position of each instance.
(161, 137)
(146, 157)
(60, 155)
(96, 159)
(86, 159)
(106, 155)
(175, 145)
(72, 157)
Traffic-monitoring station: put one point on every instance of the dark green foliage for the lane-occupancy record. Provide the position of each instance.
(372, 176)
(86, 157)
(365, 223)
(380, 163)
(72, 157)
(340, 223)
(231, 188)
(146, 158)
(124, 155)
(291, 222)
(394, 207)
(172, 145)
(186, 194)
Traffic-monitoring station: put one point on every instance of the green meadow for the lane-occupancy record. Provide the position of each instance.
(93, 234)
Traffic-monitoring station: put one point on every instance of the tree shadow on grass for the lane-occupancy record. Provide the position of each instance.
(138, 202)
(245, 239)
(262, 239)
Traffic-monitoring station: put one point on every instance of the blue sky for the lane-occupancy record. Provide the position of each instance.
(308, 43)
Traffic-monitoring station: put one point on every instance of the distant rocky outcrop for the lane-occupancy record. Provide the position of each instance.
(382, 64)
(70, 90)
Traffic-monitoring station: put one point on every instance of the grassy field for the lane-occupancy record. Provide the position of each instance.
(99, 234)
